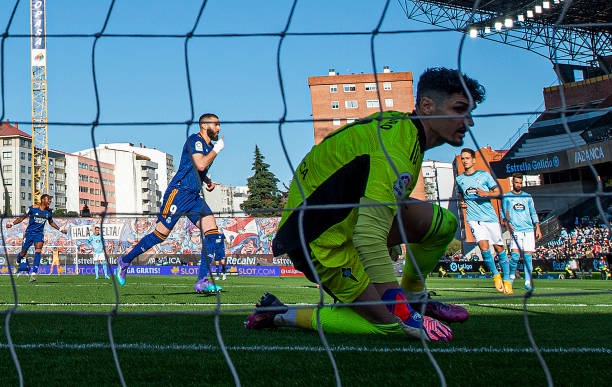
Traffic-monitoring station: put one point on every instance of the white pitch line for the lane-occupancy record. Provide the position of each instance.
(276, 348)
(134, 304)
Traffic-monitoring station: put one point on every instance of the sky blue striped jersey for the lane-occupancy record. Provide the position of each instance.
(520, 211)
(478, 208)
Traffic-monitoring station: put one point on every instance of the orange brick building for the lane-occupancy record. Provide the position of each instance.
(90, 186)
(484, 158)
(341, 99)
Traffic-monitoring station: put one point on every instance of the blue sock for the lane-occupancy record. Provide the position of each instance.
(208, 253)
(104, 269)
(143, 245)
(513, 263)
(96, 269)
(18, 261)
(528, 268)
(505, 265)
(488, 259)
(219, 248)
(36, 262)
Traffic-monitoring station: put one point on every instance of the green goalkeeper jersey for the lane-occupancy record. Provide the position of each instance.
(378, 157)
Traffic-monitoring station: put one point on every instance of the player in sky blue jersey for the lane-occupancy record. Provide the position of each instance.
(34, 235)
(476, 188)
(521, 218)
(182, 198)
(97, 247)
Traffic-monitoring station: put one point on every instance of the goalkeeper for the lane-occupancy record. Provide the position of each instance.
(347, 199)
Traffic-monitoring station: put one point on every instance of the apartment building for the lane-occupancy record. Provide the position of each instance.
(341, 99)
(136, 179)
(92, 183)
(225, 200)
(16, 162)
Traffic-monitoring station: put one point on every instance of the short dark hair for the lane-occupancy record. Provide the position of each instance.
(472, 152)
(206, 116)
(46, 196)
(517, 175)
(438, 81)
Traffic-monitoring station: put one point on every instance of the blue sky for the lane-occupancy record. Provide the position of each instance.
(142, 82)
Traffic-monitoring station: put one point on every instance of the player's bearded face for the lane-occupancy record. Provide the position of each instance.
(212, 134)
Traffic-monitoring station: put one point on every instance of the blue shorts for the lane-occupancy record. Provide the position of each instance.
(179, 203)
(32, 239)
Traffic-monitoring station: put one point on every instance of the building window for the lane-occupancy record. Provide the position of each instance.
(389, 102)
(370, 86)
(22, 195)
(29, 157)
(7, 155)
(8, 181)
(23, 182)
(386, 85)
(22, 155)
(7, 168)
(22, 169)
(372, 103)
(351, 104)
(335, 105)
(350, 88)
(6, 141)
(336, 122)
(333, 88)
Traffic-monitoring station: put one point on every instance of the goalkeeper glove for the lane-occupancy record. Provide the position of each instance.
(415, 324)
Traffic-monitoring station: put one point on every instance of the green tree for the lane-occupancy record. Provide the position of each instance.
(7, 204)
(453, 247)
(264, 198)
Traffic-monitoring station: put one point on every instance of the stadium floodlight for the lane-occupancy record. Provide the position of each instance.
(487, 30)
(520, 17)
(538, 9)
(529, 13)
(498, 26)
(508, 23)
(546, 4)
(473, 33)
(555, 1)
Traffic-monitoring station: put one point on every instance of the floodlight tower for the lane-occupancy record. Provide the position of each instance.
(38, 60)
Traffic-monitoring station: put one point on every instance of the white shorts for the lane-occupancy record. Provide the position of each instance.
(523, 241)
(486, 231)
(99, 257)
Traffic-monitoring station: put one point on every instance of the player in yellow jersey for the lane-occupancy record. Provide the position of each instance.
(349, 201)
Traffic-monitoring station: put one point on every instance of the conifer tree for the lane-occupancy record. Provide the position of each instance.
(264, 198)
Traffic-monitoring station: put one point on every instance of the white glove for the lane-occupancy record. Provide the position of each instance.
(219, 145)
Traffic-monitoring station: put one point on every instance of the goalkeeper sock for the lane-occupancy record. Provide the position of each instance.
(143, 245)
(334, 319)
(488, 259)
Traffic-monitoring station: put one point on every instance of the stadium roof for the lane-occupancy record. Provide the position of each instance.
(585, 14)
(564, 31)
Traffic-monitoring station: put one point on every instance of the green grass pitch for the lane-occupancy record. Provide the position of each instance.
(165, 335)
